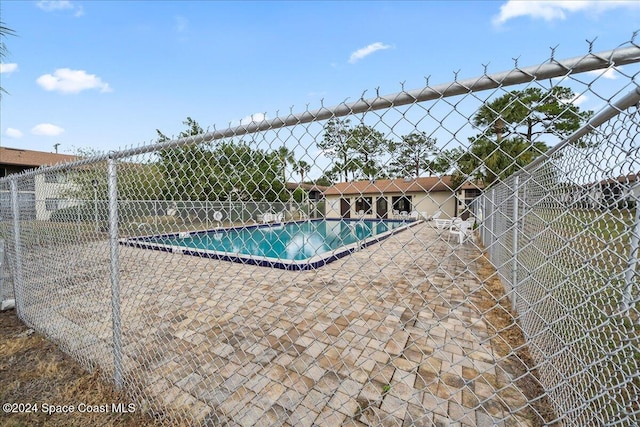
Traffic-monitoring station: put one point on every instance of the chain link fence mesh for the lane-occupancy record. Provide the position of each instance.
(448, 269)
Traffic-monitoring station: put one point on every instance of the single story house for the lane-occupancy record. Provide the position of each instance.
(620, 192)
(385, 198)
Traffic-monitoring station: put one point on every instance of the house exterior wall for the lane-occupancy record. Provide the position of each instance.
(434, 201)
(428, 203)
(50, 197)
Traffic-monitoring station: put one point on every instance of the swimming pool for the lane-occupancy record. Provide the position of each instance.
(299, 245)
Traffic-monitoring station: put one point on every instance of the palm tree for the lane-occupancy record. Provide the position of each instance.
(4, 32)
(302, 168)
(286, 158)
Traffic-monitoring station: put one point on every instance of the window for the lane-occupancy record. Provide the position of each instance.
(472, 193)
(402, 203)
(363, 204)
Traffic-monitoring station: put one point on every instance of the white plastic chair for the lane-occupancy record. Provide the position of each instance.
(460, 228)
(442, 223)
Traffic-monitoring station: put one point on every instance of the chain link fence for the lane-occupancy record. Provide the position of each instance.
(564, 235)
(441, 264)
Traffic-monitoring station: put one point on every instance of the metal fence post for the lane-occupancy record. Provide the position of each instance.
(79, 220)
(634, 251)
(493, 225)
(18, 283)
(112, 174)
(514, 249)
(485, 213)
(2, 293)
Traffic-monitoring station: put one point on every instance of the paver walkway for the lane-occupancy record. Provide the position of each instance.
(390, 335)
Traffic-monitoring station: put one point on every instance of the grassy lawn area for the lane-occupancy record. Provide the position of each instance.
(574, 280)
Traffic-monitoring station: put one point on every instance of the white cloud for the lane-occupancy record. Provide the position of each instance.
(47, 129)
(253, 118)
(550, 10)
(54, 5)
(609, 74)
(51, 5)
(13, 133)
(66, 80)
(577, 100)
(8, 68)
(366, 51)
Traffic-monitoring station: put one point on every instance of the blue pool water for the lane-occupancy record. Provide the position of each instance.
(293, 245)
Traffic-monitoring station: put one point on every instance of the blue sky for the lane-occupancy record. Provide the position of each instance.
(106, 74)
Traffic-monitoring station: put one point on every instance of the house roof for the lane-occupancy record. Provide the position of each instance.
(398, 185)
(31, 158)
(623, 179)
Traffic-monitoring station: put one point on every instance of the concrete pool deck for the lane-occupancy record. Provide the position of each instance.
(390, 335)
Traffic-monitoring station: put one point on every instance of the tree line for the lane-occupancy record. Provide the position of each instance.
(510, 128)
(509, 131)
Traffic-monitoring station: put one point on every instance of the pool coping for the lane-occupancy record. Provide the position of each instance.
(311, 263)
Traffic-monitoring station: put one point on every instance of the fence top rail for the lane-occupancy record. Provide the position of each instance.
(589, 62)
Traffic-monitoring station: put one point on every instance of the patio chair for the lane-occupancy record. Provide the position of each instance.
(460, 228)
(441, 223)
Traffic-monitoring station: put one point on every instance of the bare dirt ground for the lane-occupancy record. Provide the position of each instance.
(508, 339)
(34, 372)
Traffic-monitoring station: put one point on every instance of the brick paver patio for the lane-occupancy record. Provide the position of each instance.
(390, 335)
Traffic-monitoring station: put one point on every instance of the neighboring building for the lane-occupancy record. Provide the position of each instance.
(47, 188)
(16, 160)
(312, 198)
(385, 198)
(312, 192)
(614, 192)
